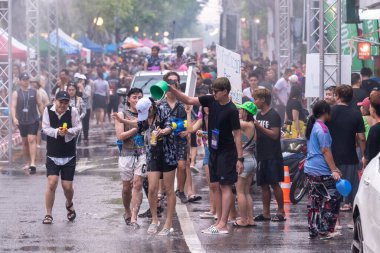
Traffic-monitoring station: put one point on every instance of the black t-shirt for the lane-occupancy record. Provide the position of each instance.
(373, 142)
(359, 95)
(225, 118)
(369, 85)
(345, 123)
(266, 147)
(114, 83)
(294, 104)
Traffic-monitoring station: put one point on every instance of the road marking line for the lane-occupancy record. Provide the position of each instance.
(188, 229)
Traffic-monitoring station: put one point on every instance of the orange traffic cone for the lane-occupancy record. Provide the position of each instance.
(285, 186)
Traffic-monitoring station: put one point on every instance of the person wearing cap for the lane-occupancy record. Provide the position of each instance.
(373, 140)
(61, 124)
(330, 94)
(155, 123)
(132, 158)
(367, 118)
(25, 102)
(245, 203)
(226, 154)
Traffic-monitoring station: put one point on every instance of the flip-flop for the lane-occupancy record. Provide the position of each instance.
(153, 228)
(278, 218)
(194, 198)
(261, 218)
(237, 225)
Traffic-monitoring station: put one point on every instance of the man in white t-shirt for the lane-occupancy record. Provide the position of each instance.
(281, 91)
(253, 80)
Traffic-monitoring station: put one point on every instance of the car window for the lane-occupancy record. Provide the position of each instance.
(139, 81)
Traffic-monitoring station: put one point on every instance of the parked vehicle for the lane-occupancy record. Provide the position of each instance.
(366, 210)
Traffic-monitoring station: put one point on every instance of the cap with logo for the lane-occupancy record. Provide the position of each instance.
(142, 108)
(24, 76)
(62, 95)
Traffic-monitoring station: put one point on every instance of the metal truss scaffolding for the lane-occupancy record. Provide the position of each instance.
(33, 34)
(283, 10)
(53, 50)
(6, 82)
(325, 38)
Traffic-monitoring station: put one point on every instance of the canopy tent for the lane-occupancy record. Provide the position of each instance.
(44, 46)
(129, 43)
(65, 42)
(87, 43)
(148, 43)
(19, 50)
(110, 48)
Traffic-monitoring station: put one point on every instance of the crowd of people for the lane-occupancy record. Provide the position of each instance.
(242, 143)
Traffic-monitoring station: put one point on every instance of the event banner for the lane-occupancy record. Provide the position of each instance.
(229, 65)
(371, 33)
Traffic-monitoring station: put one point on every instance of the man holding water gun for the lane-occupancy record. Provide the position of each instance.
(61, 123)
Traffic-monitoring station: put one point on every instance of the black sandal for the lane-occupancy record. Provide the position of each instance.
(194, 198)
(261, 217)
(278, 218)
(48, 219)
(71, 214)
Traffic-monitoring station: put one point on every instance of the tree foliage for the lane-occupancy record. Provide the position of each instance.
(149, 15)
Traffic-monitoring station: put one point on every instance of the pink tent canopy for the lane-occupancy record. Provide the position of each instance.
(19, 50)
(148, 43)
(129, 43)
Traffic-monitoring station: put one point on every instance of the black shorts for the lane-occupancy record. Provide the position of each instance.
(222, 167)
(181, 148)
(193, 140)
(30, 129)
(157, 161)
(270, 172)
(67, 171)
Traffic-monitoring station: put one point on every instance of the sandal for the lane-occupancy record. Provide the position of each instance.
(71, 214)
(153, 228)
(215, 231)
(48, 219)
(165, 231)
(237, 225)
(261, 217)
(346, 208)
(194, 198)
(127, 219)
(278, 218)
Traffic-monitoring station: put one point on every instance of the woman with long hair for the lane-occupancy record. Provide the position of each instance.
(321, 171)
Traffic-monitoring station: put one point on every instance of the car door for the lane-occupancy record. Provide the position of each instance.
(371, 228)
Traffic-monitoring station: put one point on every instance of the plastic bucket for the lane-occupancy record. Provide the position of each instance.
(159, 90)
(344, 187)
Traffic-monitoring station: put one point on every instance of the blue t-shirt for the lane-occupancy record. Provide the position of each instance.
(320, 137)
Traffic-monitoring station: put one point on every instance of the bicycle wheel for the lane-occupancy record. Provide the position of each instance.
(299, 187)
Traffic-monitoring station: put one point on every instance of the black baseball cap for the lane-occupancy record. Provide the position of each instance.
(24, 76)
(62, 95)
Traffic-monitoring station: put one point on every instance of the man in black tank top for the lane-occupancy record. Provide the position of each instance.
(25, 116)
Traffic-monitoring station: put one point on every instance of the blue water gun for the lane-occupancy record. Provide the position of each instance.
(178, 125)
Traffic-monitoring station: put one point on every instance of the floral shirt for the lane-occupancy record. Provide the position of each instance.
(163, 119)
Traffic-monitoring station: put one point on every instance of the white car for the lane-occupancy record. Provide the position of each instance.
(366, 210)
(145, 79)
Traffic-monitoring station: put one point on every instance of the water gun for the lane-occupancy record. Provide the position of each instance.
(178, 125)
(64, 126)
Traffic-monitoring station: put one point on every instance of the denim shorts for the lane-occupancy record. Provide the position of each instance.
(250, 166)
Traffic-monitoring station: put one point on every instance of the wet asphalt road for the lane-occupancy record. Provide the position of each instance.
(99, 226)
